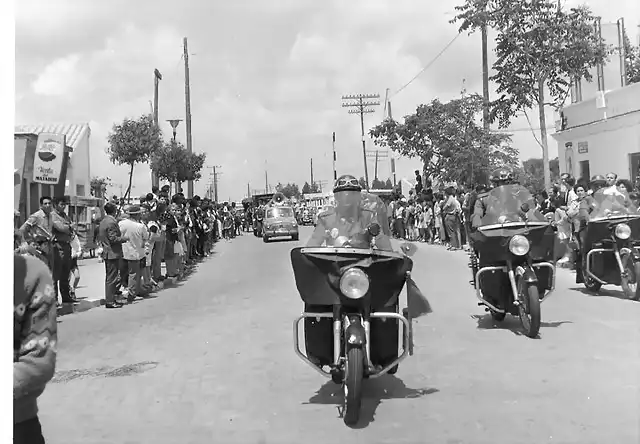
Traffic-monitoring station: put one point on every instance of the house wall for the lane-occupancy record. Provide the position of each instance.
(79, 174)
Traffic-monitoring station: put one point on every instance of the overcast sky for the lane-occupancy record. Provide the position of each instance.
(266, 76)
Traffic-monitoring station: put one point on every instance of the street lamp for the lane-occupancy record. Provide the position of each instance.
(174, 124)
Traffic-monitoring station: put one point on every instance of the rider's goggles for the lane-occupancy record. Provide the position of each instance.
(347, 182)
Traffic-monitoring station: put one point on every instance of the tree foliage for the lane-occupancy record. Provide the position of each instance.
(289, 190)
(631, 60)
(174, 163)
(378, 184)
(363, 183)
(133, 141)
(540, 48)
(531, 174)
(310, 189)
(99, 186)
(448, 140)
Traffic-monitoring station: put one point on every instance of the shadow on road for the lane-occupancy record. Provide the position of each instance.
(617, 294)
(374, 392)
(511, 323)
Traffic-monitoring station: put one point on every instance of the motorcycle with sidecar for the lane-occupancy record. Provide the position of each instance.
(513, 258)
(608, 252)
(352, 318)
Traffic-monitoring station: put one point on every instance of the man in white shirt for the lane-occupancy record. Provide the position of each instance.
(133, 251)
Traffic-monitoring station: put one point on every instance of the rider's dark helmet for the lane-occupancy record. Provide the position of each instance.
(347, 182)
(598, 179)
(502, 176)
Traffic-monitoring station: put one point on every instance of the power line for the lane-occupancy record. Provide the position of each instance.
(428, 64)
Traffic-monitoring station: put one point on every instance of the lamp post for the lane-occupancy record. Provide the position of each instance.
(174, 125)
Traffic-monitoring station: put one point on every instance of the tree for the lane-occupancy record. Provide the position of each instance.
(377, 184)
(175, 164)
(531, 175)
(363, 183)
(540, 49)
(448, 140)
(306, 188)
(133, 141)
(289, 190)
(388, 185)
(99, 186)
(631, 59)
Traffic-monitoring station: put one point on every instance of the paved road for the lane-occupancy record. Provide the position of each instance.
(211, 362)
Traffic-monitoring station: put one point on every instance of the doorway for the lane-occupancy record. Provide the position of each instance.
(584, 170)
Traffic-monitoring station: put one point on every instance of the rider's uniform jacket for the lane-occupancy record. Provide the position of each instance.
(479, 209)
(347, 227)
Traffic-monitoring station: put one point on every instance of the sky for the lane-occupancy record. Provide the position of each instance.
(266, 77)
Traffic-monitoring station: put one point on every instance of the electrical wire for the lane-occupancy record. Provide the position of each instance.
(428, 65)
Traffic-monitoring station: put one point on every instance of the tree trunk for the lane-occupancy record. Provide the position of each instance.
(543, 135)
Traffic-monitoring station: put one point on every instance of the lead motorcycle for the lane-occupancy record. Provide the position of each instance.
(513, 263)
(351, 293)
(609, 254)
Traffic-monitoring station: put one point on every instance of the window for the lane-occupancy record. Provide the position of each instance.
(79, 190)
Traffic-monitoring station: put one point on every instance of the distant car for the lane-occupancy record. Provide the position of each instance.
(280, 221)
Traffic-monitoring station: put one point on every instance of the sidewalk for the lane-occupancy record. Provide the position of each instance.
(90, 291)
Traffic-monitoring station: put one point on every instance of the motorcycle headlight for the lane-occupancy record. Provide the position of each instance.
(519, 245)
(623, 231)
(354, 283)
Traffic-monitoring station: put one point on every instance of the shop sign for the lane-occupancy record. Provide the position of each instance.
(47, 162)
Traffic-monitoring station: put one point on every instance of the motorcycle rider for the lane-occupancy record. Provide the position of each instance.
(351, 216)
(500, 177)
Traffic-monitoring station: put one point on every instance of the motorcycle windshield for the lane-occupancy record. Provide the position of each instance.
(510, 205)
(349, 224)
(612, 206)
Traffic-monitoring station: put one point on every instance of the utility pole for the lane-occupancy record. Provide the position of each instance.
(393, 161)
(187, 98)
(360, 106)
(156, 81)
(335, 175)
(377, 155)
(248, 190)
(216, 176)
(312, 172)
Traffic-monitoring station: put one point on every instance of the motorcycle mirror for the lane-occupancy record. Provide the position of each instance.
(408, 248)
(525, 207)
(374, 229)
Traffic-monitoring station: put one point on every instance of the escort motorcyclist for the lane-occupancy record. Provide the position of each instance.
(500, 177)
(352, 214)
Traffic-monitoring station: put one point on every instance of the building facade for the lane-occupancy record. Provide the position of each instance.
(76, 171)
(599, 132)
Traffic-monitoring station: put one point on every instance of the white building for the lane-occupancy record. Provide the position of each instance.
(599, 132)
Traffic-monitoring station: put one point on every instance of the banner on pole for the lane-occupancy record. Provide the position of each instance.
(47, 163)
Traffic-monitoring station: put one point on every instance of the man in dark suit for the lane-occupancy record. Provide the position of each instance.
(111, 240)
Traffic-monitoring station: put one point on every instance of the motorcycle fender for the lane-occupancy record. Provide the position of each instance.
(527, 274)
(355, 336)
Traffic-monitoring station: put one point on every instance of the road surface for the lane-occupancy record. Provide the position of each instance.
(211, 361)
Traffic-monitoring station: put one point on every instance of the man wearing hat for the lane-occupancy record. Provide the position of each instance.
(133, 250)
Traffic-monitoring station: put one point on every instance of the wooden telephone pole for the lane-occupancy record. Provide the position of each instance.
(156, 81)
(187, 98)
(335, 174)
(360, 106)
(312, 172)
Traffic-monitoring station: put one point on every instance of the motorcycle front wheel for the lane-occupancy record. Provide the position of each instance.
(529, 308)
(629, 283)
(353, 385)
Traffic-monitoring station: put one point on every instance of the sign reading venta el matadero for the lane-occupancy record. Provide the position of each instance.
(47, 163)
